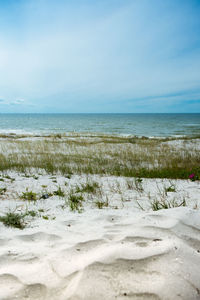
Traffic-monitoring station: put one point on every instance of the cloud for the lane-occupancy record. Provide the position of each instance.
(18, 102)
(86, 54)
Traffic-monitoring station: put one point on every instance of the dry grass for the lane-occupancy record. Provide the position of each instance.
(106, 155)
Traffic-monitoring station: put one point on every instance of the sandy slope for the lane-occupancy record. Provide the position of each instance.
(122, 253)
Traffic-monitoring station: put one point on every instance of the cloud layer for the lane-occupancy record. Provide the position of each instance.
(95, 56)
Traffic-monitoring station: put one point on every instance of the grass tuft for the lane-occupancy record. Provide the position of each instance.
(161, 204)
(59, 192)
(12, 219)
(88, 187)
(2, 191)
(29, 195)
(101, 204)
(75, 202)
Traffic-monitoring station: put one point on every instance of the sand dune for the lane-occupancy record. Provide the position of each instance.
(102, 254)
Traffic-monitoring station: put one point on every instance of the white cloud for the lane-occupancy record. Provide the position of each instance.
(133, 51)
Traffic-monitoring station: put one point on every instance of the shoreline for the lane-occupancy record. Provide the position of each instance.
(23, 134)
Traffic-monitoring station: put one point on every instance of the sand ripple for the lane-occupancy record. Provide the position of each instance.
(155, 256)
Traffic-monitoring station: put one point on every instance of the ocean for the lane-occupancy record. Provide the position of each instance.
(158, 125)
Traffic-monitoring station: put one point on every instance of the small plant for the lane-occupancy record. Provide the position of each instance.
(101, 204)
(7, 177)
(59, 192)
(2, 191)
(88, 187)
(138, 185)
(130, 184)
(41, 210)
(157, 205)
(31, 196)
(12, 219)
(1, 179)
(68, 176)
(31, 213)
(75, 202)
(35, 177)
(170, 189)
(27, 176)
(115, 187)
(45, 217)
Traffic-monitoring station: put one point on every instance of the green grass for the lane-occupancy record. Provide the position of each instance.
(88, 187)
(2, 191)
(101, 204)
(101, 154)
(163, 204)
(170, 189)
(75, 202)
(138, 185)
(59, 192)
(12, 219)
(29, 195)
(31, 213)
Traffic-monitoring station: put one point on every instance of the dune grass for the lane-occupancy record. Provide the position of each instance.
(12, 219)
(105, 155)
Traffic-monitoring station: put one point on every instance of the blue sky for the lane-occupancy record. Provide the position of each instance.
(100, 56)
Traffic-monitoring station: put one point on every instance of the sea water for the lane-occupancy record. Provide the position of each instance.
(149, 125)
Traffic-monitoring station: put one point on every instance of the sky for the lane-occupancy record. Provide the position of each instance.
(99, 56)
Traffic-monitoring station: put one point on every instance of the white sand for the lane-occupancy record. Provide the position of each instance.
(118, 252)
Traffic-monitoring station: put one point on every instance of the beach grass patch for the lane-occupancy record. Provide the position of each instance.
(59, 192)
(101, 204)
(29, 195)
(88, 187)
(75, 202)
(12, 219)
(103, 155)
(157, 204)
(3, 191)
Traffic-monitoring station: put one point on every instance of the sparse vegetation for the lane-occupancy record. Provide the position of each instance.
(101, 154)
(160, 204)
(29, 195)
(130, 184)
(138, 185)
(88, 187)
(59, 192)
(75, 202)
(31, 213)
(170, 189)
(100, 203)
(2, 191)
(7, 177)
(12, 219)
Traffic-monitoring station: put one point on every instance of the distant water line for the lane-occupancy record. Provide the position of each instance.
(121, 124)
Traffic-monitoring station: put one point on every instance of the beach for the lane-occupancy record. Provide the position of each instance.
(97, 236)
(99, 150)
